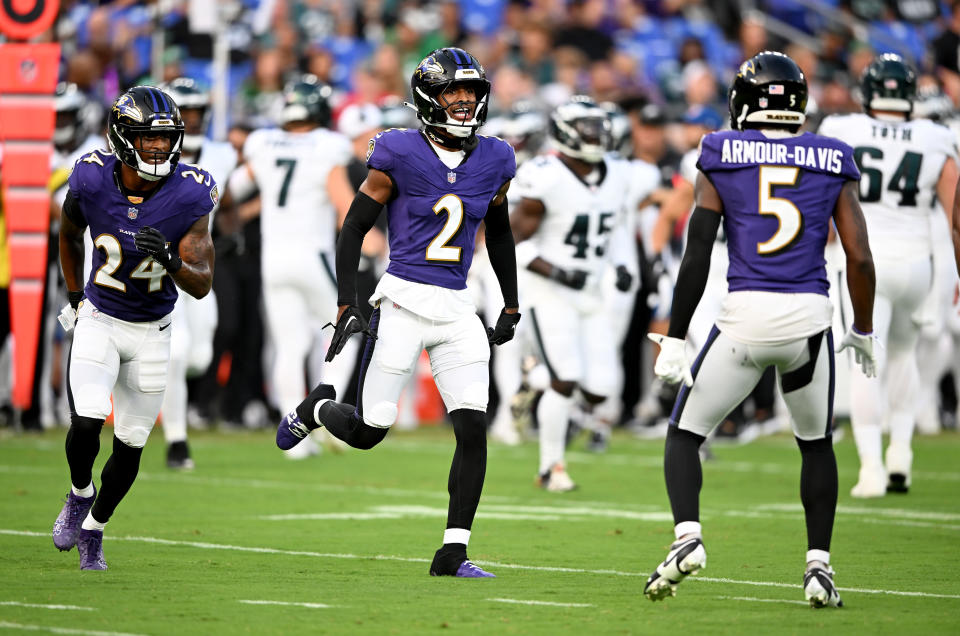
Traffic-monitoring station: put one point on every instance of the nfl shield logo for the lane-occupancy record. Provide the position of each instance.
(132, 213)
(762, 102)
(451, 177)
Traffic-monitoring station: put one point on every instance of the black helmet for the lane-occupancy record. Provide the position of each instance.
(440, 71)
(307, 99)
(769, 91)
(69, 103)
(581, 129)
(190, 96)
(142, 110)
(889, 83)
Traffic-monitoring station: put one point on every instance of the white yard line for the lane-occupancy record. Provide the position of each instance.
(517, 601)
(492, 564)
(288, 603)
(47, 606)
(763, 600)
(60, 630)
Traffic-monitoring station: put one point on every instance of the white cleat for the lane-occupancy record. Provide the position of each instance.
(685, 558)
(556, 479)
(307, 448)
(872, 483)
(899, 461)
(819, 589)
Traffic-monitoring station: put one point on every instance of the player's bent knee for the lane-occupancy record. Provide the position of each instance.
(86, 424)
(366, 437)
(132, 436)
(380, 415)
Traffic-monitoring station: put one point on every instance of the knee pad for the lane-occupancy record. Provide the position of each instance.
(132, 435)
(366, 436)
(381, 414)
(90, 401)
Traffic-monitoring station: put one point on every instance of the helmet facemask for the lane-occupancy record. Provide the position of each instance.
(581, 130)
(158, 163)
(440, 110)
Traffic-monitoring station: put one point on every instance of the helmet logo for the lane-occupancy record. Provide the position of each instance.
(126, 107)
(747, 67)
(429, 66)
(762, 102)
(775, 89)
(132, 213)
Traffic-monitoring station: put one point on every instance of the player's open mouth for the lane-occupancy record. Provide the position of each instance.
(462, 113)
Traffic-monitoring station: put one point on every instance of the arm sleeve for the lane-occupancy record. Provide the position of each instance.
(502, 252)
(694, 268)
(72, 210)
(361, 216)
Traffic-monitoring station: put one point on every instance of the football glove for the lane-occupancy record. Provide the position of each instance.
(862, 345)
(574, 279)
(351, 322)
(151, 241)
(506, 327)
(672, 365)
(624, 278)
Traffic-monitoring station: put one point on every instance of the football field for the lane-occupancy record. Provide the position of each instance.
(341, 543)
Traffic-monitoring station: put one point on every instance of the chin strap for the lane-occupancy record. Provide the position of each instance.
(460, 143)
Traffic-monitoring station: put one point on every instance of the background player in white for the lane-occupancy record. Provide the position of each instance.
(572, 218)
(301, 172)
(904, 164)
(776, 313)
(150, 219)
(194, 319)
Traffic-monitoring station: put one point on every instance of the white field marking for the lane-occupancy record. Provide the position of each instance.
(307, 605)
(763, 600)
(501, 512)
(902, 513)
(331, 516)
(60, 630)
(491, 564)
(517, 601)
(47, 606)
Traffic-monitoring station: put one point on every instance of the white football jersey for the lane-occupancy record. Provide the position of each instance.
(291, 171)
(219, 159)
(580, 219)
(900, 165)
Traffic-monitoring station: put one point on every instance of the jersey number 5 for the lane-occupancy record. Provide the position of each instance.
(790, 218)
(438, 250)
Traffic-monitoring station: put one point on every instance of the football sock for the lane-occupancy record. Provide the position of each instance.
(903, 382)
(818, 490)
(866, 413)
(823, 556)
(89, 523)
(343, 423)
(686, 529)
(456, 535)
(553, 412)
(82, 446)
(118, 475)
(467, 469)
(684, 475)
(83, 492)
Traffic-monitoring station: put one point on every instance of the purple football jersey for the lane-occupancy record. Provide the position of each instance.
(778, 200)
(124, 282)
(432, 222)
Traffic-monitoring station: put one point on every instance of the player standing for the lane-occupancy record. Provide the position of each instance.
(905, 164)
(148, 215)
(438, 183)
(776, 313)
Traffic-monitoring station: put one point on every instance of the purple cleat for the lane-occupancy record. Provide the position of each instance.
(67, 525)
(90, 547)
(292, 428)
(468, 570)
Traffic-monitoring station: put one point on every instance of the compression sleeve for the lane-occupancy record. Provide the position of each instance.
(361, 216)
(694, 268)
(502, 252)
(71, 209)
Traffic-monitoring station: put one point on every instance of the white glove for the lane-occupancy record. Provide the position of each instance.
(68, 317)
(862, 345)
(672, 365)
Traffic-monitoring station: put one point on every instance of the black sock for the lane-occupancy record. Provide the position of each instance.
(818, 490)
(82, 446)
(118, 475)
(468, 467)
(343, 423)
(684, 476)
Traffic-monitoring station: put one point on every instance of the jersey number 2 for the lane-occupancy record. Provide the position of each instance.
(438, 250)
(791, 221)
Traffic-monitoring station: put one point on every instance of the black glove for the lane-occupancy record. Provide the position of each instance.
(150, 241)
(624, 278)
(506, 327)
(75, 297)
(650, 274)
(574, 279)
(351, 322)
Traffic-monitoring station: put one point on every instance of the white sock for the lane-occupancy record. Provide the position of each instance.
(86, 493)
(867, 410)
(685, 528)
(818, 555)
(92, 524)
(456, 535)
(552, 414)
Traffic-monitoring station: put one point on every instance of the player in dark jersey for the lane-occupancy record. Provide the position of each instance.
(776, 192)
(148, 217)
(438, 184)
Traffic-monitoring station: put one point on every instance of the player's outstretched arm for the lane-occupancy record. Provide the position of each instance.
(695, 265)
(861, 278)
(196, 251)
(72, 227)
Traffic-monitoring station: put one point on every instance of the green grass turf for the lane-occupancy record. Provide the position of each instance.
(594, 546)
